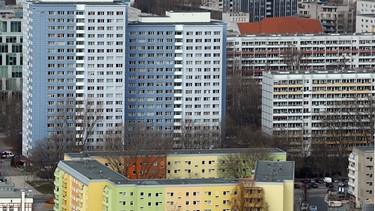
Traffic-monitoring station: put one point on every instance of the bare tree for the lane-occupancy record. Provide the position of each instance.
(76, 121)
(137, 154)
(46, 155)
(241, 164)
(198, 135)
(11, 120)
(248, 197)
(346, 123)
(293, 58)
(243, 111)
(243, 100)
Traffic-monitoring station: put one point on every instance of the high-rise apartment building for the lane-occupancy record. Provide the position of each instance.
(361, 176)
(87, 71)
(175, 76)
(74, 65)
(253, 54)
(259, 9)
(316, 108)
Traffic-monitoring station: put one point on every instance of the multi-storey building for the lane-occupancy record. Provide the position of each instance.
(74, 62)
(319, 107)
(88, 185)
(10, 54)
(253, 54)
(15, 199)
(365, 21)
(259, 9)
(361, 175)
(232, 18)
(175, 76)
(335, 18)
(86, 71)
(213, 4)
(182, 164)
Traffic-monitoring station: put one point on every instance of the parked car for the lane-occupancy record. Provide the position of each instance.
(313, 208)
(314, 185)
(319, 180)
(7, 154)
(327, 179)
(296, 185)
(304, 206)
(329, 185)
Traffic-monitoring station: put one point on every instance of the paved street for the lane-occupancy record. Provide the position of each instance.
(18, 177)
(315, 196)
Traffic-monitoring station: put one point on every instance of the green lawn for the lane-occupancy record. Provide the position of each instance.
(42, 186)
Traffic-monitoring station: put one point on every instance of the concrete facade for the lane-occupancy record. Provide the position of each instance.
(304, 108)
(361, 176)
(252, 54)
(92, 73)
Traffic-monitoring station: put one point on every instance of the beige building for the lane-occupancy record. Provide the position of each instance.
(334, 18)
(361, 175)
(318, 108)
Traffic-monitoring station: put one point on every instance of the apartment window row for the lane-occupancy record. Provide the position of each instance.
(110, 13)
(151, 33)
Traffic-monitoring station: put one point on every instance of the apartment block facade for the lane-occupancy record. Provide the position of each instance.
(361, 176)
(74, 60)
(175, 78)
(85, 65)
(254, 54)
(335, 18)
(365, 21)
(319, 107)
(88, 185)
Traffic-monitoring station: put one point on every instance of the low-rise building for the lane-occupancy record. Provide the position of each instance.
(90, 185)
(361, 176)
(15, 199)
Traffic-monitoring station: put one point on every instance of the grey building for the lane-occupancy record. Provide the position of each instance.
(361, 176)
(259, 9)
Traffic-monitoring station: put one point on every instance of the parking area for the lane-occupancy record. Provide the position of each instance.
(313, 196)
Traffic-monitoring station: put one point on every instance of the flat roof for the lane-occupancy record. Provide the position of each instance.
(310, 72)
(8, 190)
(304, 35)
(181, 152)
(79, 2)
(212, 22)
(93, 170)
(274, 171)
(369, 148)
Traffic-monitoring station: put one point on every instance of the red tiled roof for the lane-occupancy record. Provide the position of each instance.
(282, 25)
